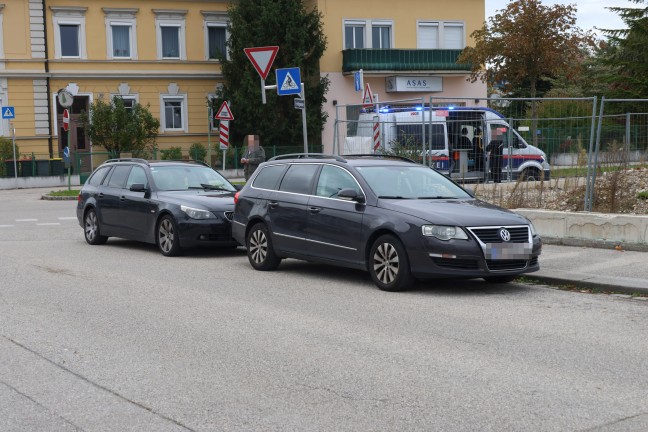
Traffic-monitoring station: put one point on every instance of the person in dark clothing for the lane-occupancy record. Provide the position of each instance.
(495, 147)
(253, 156)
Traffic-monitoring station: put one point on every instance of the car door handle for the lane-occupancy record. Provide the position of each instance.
(100, 194)
(273, 204)
(314, 210)
(122, 198)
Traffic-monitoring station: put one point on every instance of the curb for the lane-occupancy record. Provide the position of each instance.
(597, 285)
(58, 198)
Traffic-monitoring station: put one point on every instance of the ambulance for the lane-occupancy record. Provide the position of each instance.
(464, 143)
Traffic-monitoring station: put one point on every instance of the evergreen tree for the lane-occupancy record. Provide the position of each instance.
(298, 34)
(626, 54)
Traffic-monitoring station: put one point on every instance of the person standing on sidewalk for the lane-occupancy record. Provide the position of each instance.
(253, 156)
(495, 149)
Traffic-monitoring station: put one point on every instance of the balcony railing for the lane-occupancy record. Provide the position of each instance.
(402, 60)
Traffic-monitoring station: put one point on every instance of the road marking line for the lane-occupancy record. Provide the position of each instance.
(48, 224)
(6, 226)
(26, 220)
(67, 218)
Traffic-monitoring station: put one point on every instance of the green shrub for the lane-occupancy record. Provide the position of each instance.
(198, 151)
(172, 153)
(6, 153)
(642, 194)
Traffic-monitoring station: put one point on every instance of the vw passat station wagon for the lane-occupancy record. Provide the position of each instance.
(173, 204)
(398, 220)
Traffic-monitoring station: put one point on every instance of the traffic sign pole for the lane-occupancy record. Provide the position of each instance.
(304, 129)
(13, 141)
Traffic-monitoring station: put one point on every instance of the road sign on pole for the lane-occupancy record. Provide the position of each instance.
(262, 59)
(288, 81)
(8, 112)
(224, 112)
(66, 120)
(367, 97)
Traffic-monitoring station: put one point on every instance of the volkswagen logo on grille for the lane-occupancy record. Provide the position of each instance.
(505, 234)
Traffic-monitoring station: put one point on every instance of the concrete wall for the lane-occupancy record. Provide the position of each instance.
(38, 182)
(627, 231)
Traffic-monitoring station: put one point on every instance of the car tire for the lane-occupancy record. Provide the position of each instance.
(389, 264)
(500, 279)
(259, 247)
(531, 174)
(167, 236)
(91, 230)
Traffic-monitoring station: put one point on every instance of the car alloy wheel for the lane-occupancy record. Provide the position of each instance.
(167, 237)
(389, 265)
(259, 248)
(91, 229)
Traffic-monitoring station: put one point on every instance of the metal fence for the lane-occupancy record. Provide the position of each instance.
(580, 136)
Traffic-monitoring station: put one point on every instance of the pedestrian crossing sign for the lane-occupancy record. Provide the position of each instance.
(8, 112)
(288, 81)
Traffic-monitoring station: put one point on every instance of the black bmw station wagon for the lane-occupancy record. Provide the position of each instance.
(398, 220)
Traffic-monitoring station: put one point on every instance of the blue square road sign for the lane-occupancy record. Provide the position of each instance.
(288, 81)
(8, 112)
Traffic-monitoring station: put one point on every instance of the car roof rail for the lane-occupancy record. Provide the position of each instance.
(308, 155)
(380, 156)
(193, 161)
(127, 160)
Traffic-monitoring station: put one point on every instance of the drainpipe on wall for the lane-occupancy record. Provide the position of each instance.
(47, 80)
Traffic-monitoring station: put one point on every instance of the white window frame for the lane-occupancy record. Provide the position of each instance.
(124, 18)
(440, 26)
(62, 15)
(355, 23)
(175, 98)
(382, 23)
(171, 18)
(130, 97)
(2, 51)
(215, 19)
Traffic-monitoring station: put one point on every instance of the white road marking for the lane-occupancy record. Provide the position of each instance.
(48, 224)
(26, 220)
(67, 218)
(6, 226)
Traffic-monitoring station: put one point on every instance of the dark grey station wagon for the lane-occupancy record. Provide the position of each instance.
(399, 220)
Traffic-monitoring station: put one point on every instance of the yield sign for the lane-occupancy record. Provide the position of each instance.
(367, 97)
(262, 58)
(66, 120)
(224, 112)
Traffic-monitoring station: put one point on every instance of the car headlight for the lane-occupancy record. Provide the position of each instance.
(443, 232)
(533, 230)
(195, 213)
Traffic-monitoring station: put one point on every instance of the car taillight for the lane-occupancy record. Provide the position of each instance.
(79, 198)
(236, 197)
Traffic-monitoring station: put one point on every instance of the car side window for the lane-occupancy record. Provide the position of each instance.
(137, 175)
(97, 177)
(299, 178)
(332, 180)
(119, 176)
(269, 176)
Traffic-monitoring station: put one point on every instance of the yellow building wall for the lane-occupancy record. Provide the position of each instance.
(403, 15)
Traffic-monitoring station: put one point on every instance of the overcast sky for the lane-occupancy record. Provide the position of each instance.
(590, 14)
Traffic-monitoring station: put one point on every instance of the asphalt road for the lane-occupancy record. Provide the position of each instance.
(120, 338)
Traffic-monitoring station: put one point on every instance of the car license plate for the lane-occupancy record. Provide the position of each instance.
(508, 251)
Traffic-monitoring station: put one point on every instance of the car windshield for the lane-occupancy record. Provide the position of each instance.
(184, 177)
(410, 182)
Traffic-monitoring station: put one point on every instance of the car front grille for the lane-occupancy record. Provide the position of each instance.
(519, 234)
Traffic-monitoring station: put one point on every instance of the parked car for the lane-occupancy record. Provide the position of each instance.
(398, 220)
(173, 204)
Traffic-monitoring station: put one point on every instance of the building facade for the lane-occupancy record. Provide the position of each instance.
(162, 54)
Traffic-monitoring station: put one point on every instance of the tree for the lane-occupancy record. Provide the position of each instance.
(524, 45)
(301, 41)
(120, 129)
(626, 54)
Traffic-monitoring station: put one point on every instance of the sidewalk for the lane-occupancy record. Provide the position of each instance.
(605, 269)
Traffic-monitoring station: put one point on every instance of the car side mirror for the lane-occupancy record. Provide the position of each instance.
(138, 187)
(350, 194)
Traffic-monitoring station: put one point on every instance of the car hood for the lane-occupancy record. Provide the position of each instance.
(460, 212)
(211, 200)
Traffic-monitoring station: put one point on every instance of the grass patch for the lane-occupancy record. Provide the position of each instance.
(64, 193)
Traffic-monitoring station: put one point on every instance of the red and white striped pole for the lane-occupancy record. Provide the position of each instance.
(376, 134)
